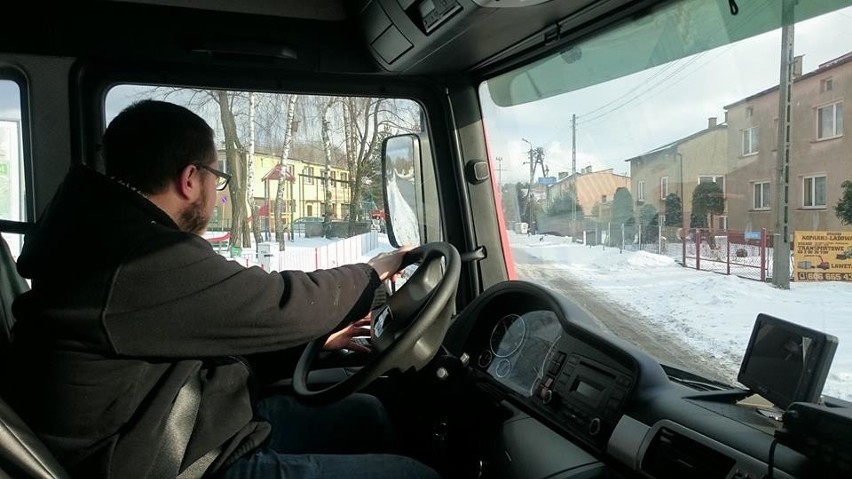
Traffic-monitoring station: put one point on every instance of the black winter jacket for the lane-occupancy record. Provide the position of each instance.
(124, 307)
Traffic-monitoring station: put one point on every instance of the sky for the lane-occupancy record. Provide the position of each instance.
(712, 313)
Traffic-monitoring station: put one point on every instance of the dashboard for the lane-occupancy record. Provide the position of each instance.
(564, 398)
(572, 381)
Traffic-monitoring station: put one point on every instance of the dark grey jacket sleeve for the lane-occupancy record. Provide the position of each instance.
(187, 301)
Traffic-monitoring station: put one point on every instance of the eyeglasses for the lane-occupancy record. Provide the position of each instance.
(222, 178)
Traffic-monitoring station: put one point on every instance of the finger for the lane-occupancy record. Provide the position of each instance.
(362, 322)
(363, 331)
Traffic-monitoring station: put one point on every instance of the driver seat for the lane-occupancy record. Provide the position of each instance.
(22, 454)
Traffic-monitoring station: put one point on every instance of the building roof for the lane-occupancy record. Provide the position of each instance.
(592, 186)
(275, 174)
(822, 68)
(673, 145)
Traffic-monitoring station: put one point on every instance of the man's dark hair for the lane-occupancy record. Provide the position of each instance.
(150, 142)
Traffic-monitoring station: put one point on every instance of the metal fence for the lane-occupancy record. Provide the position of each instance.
(747, 254)
(743, 254)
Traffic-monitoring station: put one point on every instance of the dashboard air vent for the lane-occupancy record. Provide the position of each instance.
(671, 455)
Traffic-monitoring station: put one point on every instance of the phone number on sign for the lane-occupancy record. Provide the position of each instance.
(824, 276)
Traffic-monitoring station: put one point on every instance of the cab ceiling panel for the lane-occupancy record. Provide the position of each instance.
(125, 30)
(432, 36)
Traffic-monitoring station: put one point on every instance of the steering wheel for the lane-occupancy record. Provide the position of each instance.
(407, 331)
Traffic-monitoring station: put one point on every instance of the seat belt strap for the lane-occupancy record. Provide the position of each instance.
(179, 427)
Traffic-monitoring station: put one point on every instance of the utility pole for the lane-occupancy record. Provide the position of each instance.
(530, 185)
(536, 156)
(781, 246)
(573, 170)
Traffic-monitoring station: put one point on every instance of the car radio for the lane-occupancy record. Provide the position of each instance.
(587, 395)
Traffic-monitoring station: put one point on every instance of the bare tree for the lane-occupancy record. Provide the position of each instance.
(255, 223)
(326, 147)
(282, 177)
(235, 157)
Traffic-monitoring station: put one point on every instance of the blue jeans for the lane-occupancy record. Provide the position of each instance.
(351, 438)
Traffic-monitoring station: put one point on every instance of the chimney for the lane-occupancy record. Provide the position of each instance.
(797, 66)
(711, 122)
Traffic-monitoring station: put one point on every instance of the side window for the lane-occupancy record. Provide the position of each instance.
(813, 191)
(750, 141)
(830, 121)
(761, 195)
(13, 188)
(311, 191)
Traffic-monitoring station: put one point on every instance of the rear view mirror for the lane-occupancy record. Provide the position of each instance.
(400, 171)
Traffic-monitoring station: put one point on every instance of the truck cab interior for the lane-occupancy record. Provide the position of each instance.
(511, 376)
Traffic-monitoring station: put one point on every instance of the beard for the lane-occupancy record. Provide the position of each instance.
(194, 218)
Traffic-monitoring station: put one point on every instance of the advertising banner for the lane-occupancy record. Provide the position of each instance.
(822, 256)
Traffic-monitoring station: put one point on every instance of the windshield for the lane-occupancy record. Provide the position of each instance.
(677, 178)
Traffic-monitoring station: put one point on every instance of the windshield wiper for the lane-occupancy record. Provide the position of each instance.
(695, 381)
(702, 385)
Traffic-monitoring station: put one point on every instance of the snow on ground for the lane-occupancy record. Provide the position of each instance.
(711, 312)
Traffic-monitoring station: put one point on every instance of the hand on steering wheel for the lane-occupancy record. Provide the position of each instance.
(407, 331)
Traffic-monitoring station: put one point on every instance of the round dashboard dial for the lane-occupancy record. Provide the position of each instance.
(508, 335)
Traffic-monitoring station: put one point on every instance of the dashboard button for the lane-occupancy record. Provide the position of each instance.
(484, 359)
(594, 426)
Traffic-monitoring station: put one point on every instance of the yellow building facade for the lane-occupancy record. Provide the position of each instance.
(306, 191)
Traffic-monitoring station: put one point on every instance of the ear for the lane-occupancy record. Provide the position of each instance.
(188, 183)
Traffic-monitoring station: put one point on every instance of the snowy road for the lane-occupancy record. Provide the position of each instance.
(624, 323)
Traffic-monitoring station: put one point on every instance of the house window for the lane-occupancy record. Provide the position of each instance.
(309, 176)
(830, 121)
(713, 179)
(750, 141)
(664, 187)
(722, 222)
(749, 112)
(813, 192)
(309, 209)
(826, 84)
(761, 196)
(640, 194)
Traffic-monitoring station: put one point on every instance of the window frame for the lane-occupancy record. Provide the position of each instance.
(640, 191)
(754, 144)
(664, 187)
(28, 205)
(812, 198)
(835, 118)
(765, 194)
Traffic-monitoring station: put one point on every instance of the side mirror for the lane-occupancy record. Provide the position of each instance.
(400, 181)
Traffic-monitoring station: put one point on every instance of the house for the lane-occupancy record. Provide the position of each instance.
(594, 188)
(679, 167)
(820, 152)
